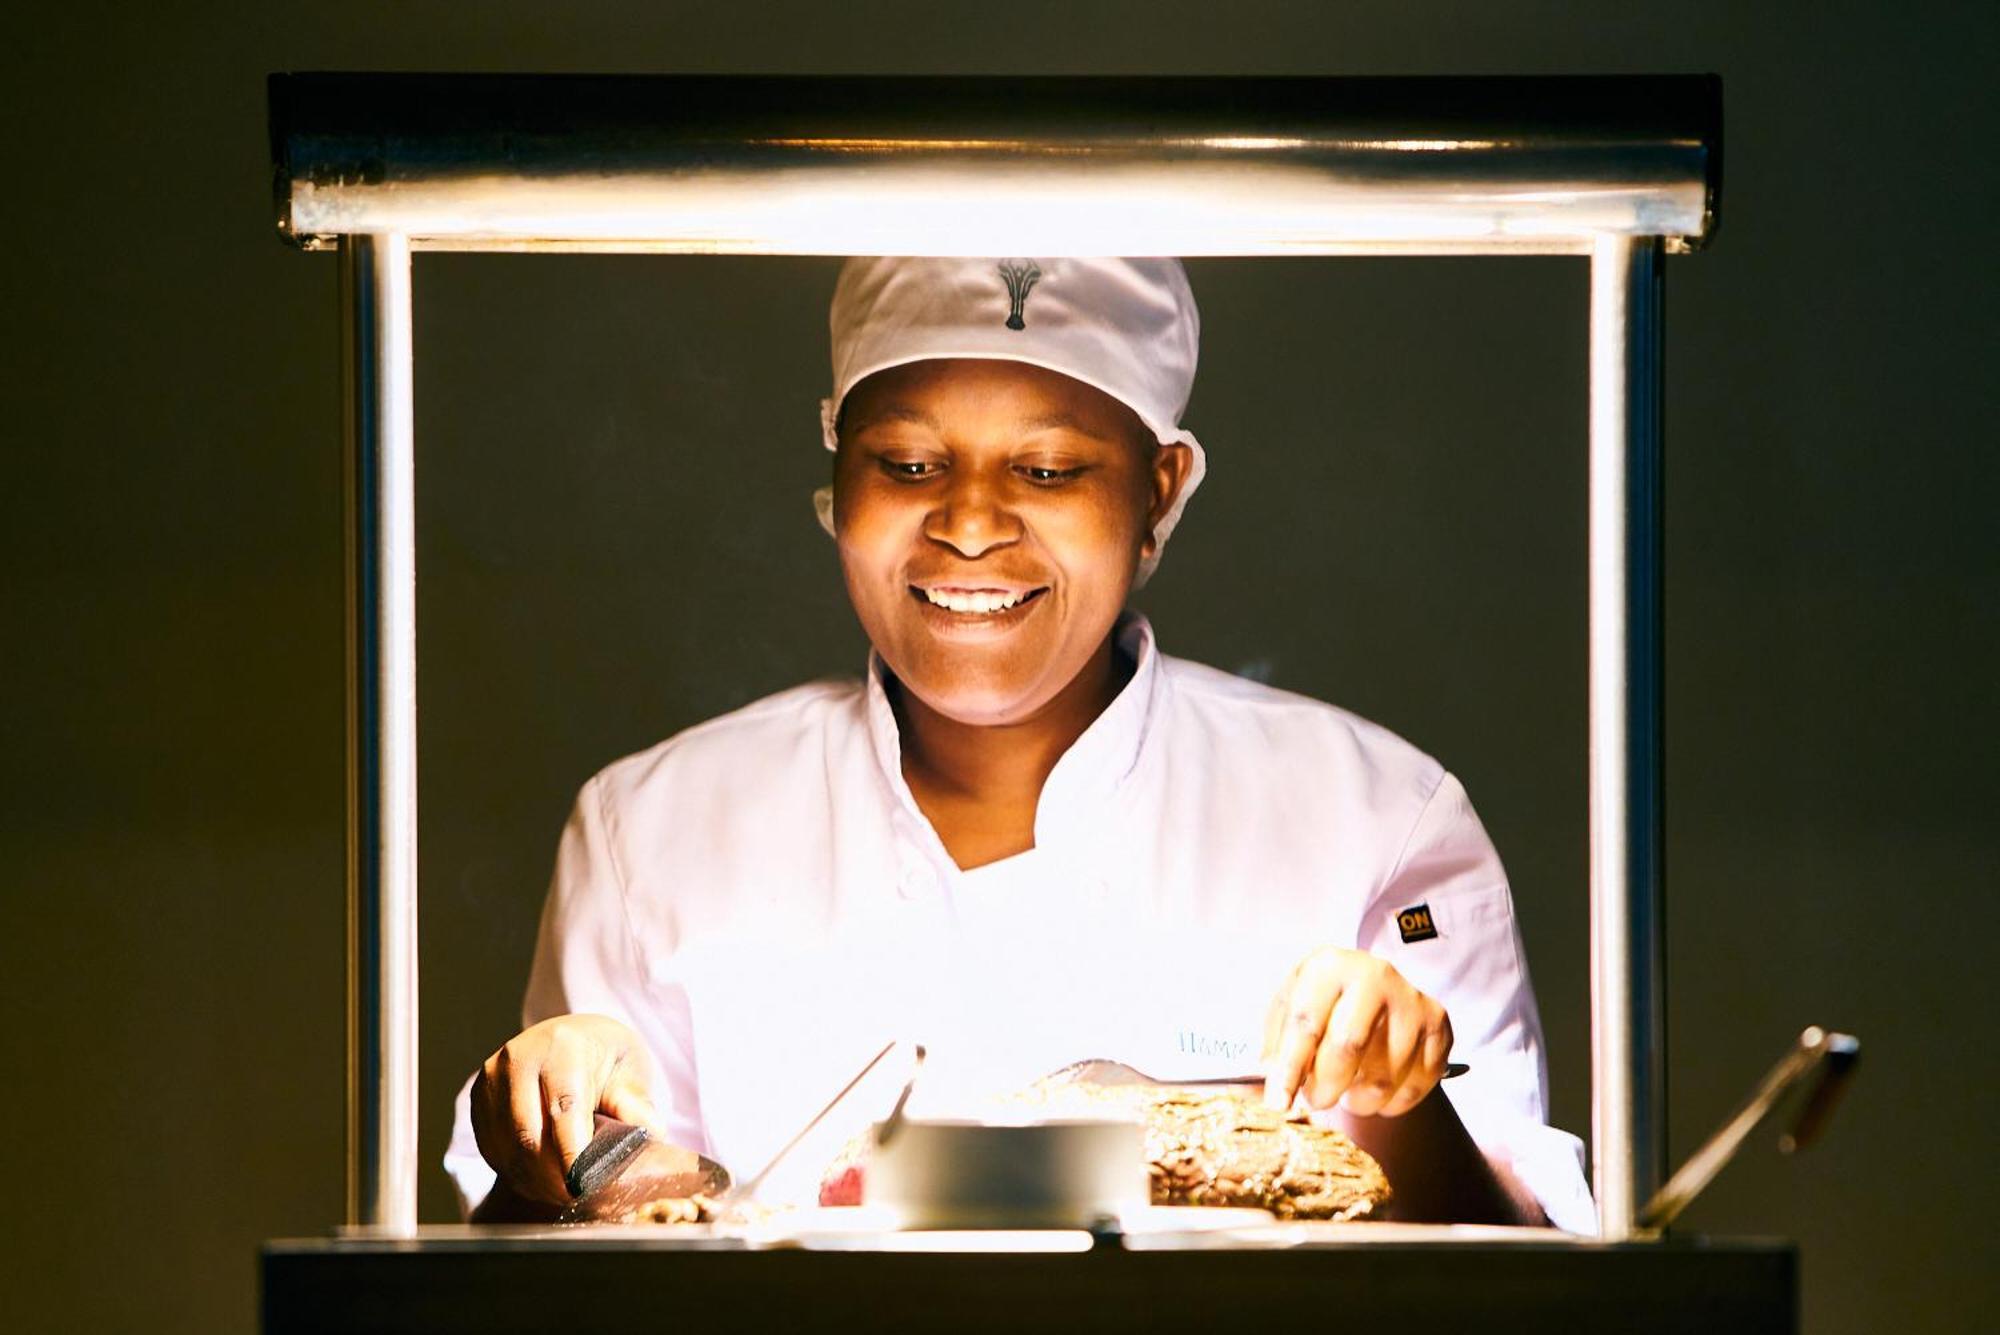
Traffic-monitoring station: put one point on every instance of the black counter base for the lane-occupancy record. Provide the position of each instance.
(1690, 1288)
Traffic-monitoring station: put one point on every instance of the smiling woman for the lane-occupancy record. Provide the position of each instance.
(993, 841)
(998, 505)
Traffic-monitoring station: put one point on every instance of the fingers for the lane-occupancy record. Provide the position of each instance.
(1390, 1061)
(1350, 1046)
(534, 1168)
(1431, 1048)
(1315, 989)
(1347, 1028)
(491, 1124)
(534, 1101)
(626, 1099)
(1274, 1018)
(508, 1123)
(569, 1109)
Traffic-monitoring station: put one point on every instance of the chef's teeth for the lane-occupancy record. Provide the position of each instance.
(980, 602)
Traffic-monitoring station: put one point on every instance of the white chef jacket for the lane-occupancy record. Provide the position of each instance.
(761, 899)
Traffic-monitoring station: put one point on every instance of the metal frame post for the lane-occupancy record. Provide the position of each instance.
(381, 735)
(1627, 959)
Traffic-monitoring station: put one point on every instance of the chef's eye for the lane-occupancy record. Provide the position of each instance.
(909, 470)
(1048, 475)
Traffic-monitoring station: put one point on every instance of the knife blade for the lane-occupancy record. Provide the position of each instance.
(1104, 1071)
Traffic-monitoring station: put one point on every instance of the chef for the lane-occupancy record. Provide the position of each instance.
(1027, 836)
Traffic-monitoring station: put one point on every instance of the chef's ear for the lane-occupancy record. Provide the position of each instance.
(1169, 470)
(823, 507)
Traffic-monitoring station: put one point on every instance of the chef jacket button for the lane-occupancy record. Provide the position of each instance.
(918, 883)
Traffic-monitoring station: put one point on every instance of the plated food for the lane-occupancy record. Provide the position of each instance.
(1225, 1147)
(1042, 1154)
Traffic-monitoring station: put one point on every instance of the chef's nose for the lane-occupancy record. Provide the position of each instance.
(972, 515)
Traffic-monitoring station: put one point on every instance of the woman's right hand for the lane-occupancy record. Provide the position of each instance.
(534, 1101)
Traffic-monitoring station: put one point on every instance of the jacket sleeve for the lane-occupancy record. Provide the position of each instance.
(588, 960)
(1445, 918)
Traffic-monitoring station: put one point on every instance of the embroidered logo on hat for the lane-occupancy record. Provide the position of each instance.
(1414, 923)
(1020, 275)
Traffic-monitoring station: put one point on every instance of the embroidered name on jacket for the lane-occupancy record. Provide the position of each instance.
(1415, 924)
(1211, 1045)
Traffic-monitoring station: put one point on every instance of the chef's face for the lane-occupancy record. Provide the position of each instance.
(991, 516)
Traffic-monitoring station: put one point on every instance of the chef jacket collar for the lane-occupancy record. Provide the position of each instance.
(1073, 798)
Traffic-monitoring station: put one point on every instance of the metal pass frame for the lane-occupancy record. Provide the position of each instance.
(1620, 170)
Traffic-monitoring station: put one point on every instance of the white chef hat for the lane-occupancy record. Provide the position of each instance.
(1128, 327)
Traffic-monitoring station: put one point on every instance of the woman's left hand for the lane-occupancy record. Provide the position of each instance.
(1347, 1028)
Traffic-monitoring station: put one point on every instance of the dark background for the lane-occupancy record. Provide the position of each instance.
(614, 461)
